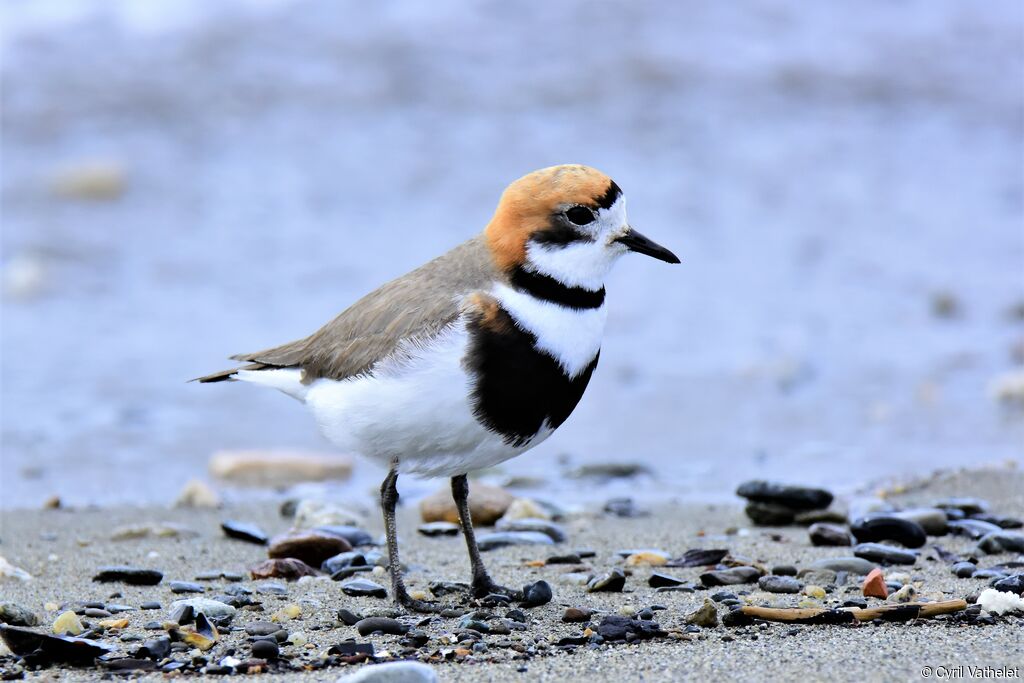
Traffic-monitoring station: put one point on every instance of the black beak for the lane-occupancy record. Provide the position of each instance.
(634, 241)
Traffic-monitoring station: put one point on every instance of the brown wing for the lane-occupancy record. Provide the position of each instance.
(417, 305)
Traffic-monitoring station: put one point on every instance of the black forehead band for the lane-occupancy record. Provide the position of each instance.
(606, 200)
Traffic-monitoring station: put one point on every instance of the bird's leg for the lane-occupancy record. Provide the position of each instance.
(483, 585)
(388, 500)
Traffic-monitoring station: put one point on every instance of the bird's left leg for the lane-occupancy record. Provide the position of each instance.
(483, 585)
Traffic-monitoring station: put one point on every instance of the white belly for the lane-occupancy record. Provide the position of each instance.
(415, 410)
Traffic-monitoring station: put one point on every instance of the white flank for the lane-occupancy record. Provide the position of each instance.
(571, 336)
(416, 409)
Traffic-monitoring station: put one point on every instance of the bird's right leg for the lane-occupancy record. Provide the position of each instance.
(388, 501)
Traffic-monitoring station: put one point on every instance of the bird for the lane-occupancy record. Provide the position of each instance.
(474, 357)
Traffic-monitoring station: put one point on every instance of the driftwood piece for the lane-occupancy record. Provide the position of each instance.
(821, 615)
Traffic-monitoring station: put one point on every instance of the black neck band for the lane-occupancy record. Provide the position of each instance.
(550, 289)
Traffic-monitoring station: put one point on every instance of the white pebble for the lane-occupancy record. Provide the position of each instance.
(392, 672)
(1000, 602)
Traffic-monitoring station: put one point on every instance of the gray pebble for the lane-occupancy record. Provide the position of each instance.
(780, 584)
(556, 532)
(502, 539)
(884, 554)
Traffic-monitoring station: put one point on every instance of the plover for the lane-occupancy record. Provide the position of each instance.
(472, 358)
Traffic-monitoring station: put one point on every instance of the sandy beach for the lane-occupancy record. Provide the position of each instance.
(64, 548)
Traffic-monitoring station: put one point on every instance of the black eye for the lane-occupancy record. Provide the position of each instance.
(580, 215)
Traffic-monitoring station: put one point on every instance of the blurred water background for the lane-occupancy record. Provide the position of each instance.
(844, 182)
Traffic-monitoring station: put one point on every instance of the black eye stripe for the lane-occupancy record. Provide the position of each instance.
(559, 234)
(608, 198)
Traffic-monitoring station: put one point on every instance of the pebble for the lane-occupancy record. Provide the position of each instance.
(536, 594)
(151, 605)
(289, 569)
(244, 531)
(571, 558)
(973, 528)
(130, 575)
(271, 468)
(808, 517)
(659, 580)
(381, 624)
(16, 615)
(575, 615)
(705, 616)
(308, 546)
(990, 573)
(392, 672)
(769, 514)
(884, 554)
(964, 570)
(792, 497)
(213, 609)
(905, 594)
(853, 565)
(874, 585)
(732, 576)
(1011, 584)
(816, 592)
(610, 582)
(502, 539)
(355, 535)
(351, 558)
(623, 507)
(185, 587)
(96, 613)
(823, 534)
(969, 506)
(999, 520)
(348, 617)
(779, 584)
(197, 494)
(525, 508)
(434, 529)
(617, 628)
(8, 570)
(486, 505)
(650, 558)
(1002, 542)
(155, 648)
(266, 649)
(555, 531)
(784, 570)
(933, 520)
(363, 587)
(67, 623)
(133, 532)
(884, 527)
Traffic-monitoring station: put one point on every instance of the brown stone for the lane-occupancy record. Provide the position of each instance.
(311, 547)
(277, 468)
(288, 569)
(486, 505)
(573, 615)
(874, 585)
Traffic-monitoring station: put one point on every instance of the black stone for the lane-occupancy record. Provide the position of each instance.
(875, 528)
(243, 531)
(769, 514)
(792, 497)
(266, 649)
(969, 506)
(618, 628)
(443, 588)
(564, 559)
(884, 554)
(130, 575)
(1002, 541)
(536, 594)
(784, 570)
(344, 560)
(728, 577)
(999, 520)
(659, 580)
(1011, 584)
(517, 387)
(973, 528)
(364, 587)
(964, 570)
(155, 648)
(382, 624)
(610, 582)
(350, 649)
(823, 534)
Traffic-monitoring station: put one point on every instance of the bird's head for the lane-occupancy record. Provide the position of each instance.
(567, 222)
